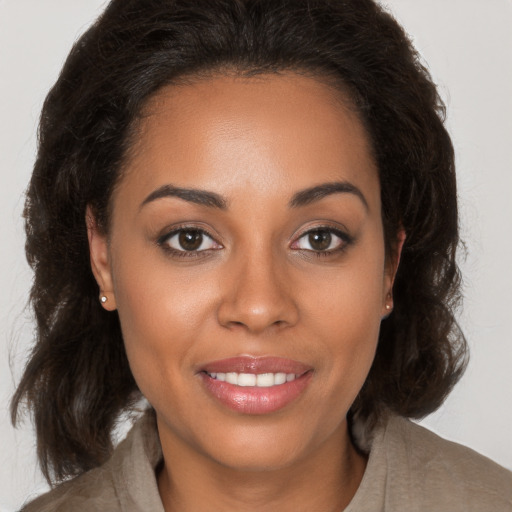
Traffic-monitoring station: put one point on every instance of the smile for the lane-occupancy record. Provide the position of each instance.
(260, 380)
(249, 385)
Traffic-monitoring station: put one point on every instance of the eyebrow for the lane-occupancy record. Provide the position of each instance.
(213, 200)
(310, 195)
(192, 195)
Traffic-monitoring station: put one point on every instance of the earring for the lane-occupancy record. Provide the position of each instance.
(389, 302)
(103, 299)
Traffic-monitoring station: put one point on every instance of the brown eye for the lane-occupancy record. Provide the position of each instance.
(190, 240)
(320, 240)
(323, 240)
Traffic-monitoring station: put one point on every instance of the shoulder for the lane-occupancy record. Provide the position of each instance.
(93, 491)
(125, 482)
(445, 474)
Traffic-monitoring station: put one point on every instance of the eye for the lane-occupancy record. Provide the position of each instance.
(322, 240)
(186, 240)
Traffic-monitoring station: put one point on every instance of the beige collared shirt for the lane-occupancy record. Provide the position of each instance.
(410, 469)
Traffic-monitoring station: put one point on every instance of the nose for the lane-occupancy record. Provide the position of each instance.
(257, 295)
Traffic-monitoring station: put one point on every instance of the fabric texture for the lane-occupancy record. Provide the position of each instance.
(409, 469)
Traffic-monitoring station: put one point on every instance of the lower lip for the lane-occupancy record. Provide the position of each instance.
(256, 400)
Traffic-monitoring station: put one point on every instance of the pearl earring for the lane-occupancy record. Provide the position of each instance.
(103, 299)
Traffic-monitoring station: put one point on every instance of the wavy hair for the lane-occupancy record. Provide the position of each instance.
(77, 380)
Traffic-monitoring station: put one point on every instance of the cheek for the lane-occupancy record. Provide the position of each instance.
(155, 298)
(162, 315)
(348, 309)
(350, 296)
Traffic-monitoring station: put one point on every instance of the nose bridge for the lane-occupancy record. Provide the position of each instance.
(259, 296)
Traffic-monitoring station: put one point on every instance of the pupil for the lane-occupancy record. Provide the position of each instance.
(320, 240)
(190, 240)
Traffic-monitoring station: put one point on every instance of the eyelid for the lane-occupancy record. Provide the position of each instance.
(169, 233)
(339, 232)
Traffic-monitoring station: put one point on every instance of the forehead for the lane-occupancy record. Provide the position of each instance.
(264, 135)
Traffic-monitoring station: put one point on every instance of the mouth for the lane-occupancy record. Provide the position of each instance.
(250, 385)
(259, 380)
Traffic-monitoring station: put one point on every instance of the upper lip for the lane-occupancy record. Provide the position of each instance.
(255, 365)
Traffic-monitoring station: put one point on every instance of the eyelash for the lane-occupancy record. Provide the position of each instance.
(162, 241)
(345, 241)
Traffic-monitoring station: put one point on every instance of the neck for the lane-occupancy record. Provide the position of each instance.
(325, 479)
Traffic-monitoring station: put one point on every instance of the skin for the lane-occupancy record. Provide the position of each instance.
(257, 289)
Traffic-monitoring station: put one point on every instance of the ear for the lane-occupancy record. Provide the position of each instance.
(392, 263)
(100, 261)
(396, 255)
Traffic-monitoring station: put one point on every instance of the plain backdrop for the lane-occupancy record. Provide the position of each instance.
(468, 47)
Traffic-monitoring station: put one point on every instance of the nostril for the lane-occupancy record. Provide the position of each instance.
(234, 324)
(256, 305)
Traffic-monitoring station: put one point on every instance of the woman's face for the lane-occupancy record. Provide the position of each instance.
(246, 260)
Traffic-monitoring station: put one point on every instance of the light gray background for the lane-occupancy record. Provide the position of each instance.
(468, 46)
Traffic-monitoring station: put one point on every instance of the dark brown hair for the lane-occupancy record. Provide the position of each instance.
(77, 380)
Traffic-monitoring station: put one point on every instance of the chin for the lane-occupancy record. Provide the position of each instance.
(257, 457)
(267, 446)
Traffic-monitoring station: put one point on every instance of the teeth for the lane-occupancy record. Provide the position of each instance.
(280, 378)
(260, 380)
(232, 378)
(265, 380)
(246, 379)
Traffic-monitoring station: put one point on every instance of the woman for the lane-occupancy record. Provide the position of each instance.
(245, 212)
